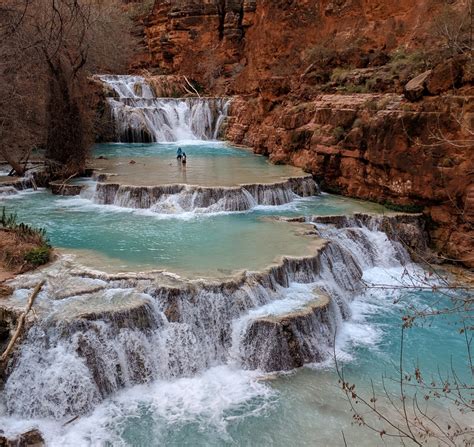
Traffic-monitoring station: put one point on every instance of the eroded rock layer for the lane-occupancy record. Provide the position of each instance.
(171, 198)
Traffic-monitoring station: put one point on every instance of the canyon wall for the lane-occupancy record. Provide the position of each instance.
(321, 84)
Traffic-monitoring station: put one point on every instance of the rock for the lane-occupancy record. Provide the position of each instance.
(445, 76)
(32, 438)
(64, 189)
(5, 290)
(285, 342)
(415, 89)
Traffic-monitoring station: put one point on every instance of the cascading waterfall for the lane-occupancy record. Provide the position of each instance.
(274, 320)
(175, 199)
(140, 116)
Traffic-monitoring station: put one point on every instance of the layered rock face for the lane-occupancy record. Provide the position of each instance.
(246, 45)
(203, 39)
(379, 147)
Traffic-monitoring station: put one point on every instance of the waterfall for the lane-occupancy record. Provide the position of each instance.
(140, 116)
(175, 199)
(277, 319)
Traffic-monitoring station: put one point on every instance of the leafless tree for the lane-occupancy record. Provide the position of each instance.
(49, 49)
(412, 406)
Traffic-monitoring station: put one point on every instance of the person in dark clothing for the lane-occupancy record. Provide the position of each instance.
(179, 153)
(183, 158)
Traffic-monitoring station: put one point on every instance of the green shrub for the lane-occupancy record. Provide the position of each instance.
(339, 75)
(38, 256)
(8, 221)
(339, 133)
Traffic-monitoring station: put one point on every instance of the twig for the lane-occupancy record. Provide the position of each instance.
(21, 321)
(71, 420)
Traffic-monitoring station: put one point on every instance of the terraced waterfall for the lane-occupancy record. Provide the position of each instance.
(142, 117)
(178, 292)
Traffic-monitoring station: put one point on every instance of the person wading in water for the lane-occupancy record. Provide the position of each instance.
(184, 158)
(179, 154)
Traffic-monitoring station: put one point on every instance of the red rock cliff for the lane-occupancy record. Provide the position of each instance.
(350, 127)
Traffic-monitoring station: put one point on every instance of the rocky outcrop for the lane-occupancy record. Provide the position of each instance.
(203, 39)
(406, 229)
(288, 341)
(415, 89)
(32, 438)
(377, 147)
(65, 189)
(247, 45)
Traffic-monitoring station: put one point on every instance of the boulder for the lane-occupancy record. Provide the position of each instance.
(5, 290)
(415, 88)
(63, 189)
(445, 76)
(288, 341)
(32, 438)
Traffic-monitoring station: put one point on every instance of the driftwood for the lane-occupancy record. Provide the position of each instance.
(192, 86)
(63, 185)
(21, 321)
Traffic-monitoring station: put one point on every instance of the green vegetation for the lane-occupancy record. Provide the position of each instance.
(23, 244)
(339, 133)
(38, 256)
(9, 221)
(406, 65)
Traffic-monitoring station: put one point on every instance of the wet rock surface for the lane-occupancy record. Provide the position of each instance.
(190, 197)
(32, 438)
(288, 341)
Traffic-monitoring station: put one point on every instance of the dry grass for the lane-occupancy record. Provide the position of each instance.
(13, 249)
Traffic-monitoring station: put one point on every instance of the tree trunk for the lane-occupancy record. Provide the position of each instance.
(65, 146)
(16, 165)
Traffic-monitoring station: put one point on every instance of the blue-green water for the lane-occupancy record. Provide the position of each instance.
(208, 164)
(168, 150)
(199, 244)
(226, 406)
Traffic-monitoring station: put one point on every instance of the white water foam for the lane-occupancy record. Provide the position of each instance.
(211, 399)
(142, 117)
(206, 397)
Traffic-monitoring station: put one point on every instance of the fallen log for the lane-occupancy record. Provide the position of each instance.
(21, 321)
